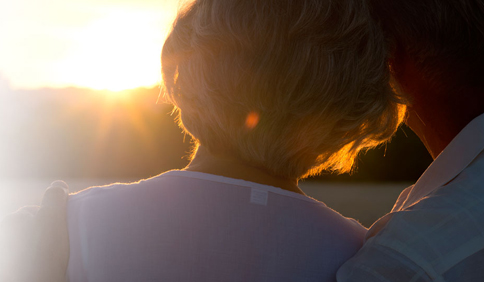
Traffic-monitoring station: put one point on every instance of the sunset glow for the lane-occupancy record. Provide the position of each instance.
(105, 44)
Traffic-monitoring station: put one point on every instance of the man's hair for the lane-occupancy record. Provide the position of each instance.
(291, 87)
(445, 38)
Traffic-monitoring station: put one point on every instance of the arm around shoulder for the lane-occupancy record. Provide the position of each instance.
(378, 263)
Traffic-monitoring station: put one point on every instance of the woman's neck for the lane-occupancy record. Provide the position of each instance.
(231, 167)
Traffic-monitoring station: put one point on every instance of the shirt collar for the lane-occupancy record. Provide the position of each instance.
(463, 149)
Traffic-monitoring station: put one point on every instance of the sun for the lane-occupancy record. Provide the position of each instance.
(120, 51)
(85, 44)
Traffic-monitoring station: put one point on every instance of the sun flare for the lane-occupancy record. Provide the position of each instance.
(86, 44)
(118, 52)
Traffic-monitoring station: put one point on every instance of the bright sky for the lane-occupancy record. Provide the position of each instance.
(100, 44)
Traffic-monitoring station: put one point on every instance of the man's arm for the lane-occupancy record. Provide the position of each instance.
(376, 263)
(438, 239)
(34, 242)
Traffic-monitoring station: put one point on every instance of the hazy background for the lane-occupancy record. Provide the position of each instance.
(90, 137)
(78, 89)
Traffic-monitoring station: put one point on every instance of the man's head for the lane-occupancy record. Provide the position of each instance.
(288, 86)
(437, 60)
(443, 38)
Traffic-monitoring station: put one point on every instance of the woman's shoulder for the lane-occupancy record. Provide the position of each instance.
(235, 195)
(206, 216)
(119, 188)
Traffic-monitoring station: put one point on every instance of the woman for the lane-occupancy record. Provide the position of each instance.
(272, 91)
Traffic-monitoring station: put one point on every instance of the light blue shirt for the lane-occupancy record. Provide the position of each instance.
(190, 226)
(436, 229)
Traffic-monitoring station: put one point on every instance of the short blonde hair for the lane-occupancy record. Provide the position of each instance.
(290, 86)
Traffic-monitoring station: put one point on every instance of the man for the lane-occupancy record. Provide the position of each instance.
(435, 231)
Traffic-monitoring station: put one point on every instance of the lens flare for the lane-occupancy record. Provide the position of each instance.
(252, 120)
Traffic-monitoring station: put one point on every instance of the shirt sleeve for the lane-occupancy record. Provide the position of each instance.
(377, 263)
(441, 238)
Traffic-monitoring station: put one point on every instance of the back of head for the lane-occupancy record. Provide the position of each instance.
(291, 87)
(444, 38)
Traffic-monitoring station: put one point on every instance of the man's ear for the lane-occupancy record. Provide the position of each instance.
(397, 59)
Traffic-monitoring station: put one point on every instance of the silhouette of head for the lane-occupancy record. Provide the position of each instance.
(444, 39)
(292, 87)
